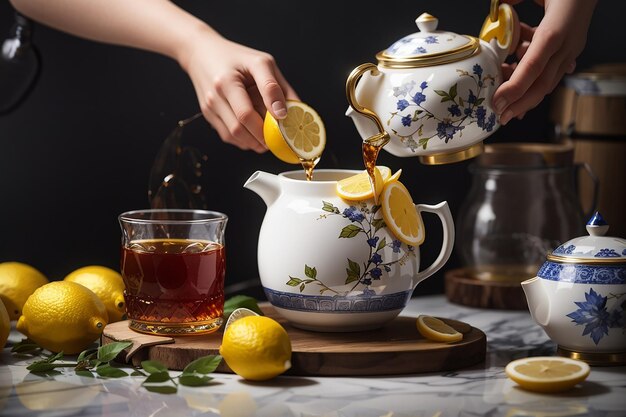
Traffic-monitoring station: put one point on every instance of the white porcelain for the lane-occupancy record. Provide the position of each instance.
(431, 92)
(579, 293)
(328, 264)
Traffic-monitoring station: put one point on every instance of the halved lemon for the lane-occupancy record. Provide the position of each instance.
(400, 214)
(436, 330)
(359, 187)
(300, 135)
(547, 373)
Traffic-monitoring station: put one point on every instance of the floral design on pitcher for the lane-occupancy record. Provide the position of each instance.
(594, 315)
(365, 224)
(463, 110)
(607, 253)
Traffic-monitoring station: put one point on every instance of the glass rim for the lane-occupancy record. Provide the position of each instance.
(210, 216)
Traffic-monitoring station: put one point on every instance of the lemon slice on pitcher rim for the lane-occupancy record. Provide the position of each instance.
(400, 214)
(436, 330)
(299, 136)
(547, 373)
(359, 187)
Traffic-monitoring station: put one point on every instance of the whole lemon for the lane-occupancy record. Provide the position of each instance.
(5, 325)
(17, 282)
(256, 348)
(108, 286)
(63, 316)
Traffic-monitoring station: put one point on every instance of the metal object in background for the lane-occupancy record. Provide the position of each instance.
(590, 110)
(20, 65)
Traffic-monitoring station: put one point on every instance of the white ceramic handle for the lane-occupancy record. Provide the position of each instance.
(443, 211)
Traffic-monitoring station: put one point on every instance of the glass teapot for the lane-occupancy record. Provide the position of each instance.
(430, 94)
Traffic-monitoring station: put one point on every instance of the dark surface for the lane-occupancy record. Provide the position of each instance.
(78, 152)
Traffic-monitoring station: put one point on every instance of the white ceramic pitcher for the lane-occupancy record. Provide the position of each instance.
(329, 264)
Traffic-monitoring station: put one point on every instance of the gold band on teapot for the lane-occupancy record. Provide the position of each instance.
(472, 47)
(586, 261)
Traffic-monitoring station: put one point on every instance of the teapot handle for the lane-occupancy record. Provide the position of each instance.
(443, 211)
(382, 137)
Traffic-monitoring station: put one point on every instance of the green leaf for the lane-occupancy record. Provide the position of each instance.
(461, 102)
(351, 276)
(108, 352)
(350, 231)
(85, 373)
(54, 357)
(137, 372)
(294, 282)
(161, 389)
(109, 371)
(152, 367)
(354, 266)
(329, 207)
(381, 244)
(25, 346)
(203, 365)
(241, 301)
(192, 380)
(444, 99)
(302, 286)
(310, 272)
(42, 366)
(480, 101)
(378, 224)
(452, 92)
(441, 93)
(157, 377)
(86, 355)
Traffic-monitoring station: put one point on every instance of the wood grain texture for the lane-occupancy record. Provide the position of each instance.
(466, 290)
(397, 348)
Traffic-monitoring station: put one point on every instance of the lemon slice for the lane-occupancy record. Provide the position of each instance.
(299, 136)
(238, 314)
(547, 373)
(394, 177)
(359, 187)
(400, 214)
(436, 330)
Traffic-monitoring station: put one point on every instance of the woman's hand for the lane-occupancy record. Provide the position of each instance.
(545, 54)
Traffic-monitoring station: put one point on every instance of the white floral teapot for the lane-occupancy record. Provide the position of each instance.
(579, 296)
(430, 94)
(332, 265)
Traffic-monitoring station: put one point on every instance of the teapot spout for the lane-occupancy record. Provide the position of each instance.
(266, 185)
(537, 299)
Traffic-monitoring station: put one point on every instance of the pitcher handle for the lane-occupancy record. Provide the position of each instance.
(382, 137)
(443, 211)
(596, 187)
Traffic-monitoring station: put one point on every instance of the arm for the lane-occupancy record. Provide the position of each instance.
(545, 54)
(233, 91)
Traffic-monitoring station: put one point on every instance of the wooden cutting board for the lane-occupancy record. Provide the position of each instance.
(397, 348)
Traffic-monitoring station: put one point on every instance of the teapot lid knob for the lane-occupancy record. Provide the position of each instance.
(427, 22)
(597, 226)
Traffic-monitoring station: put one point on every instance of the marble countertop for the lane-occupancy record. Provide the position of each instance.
(481, 390)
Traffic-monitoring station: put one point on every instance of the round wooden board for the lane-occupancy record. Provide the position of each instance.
(466, 290)
(397, 348)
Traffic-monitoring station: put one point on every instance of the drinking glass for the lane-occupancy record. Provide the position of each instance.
(173, 264)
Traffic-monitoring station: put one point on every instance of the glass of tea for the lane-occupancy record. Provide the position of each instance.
(173, 264)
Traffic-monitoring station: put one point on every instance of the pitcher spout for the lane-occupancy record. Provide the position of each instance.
(266, 185)
(538, 300)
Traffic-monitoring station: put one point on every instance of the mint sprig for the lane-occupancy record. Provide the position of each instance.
(92, 363)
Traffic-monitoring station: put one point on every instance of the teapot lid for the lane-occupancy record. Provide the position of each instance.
(427, 47)
(593, 249)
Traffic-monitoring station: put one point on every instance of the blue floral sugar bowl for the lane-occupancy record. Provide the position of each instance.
(579, 296)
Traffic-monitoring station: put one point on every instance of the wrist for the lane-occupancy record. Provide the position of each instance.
(198, 35)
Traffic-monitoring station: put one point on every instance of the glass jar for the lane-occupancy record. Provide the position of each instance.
(523, 202)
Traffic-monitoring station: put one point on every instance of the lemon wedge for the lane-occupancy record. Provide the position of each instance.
(436, 330)
(394, 177)
(299, 136)
(359, 187)
(547, 373)
(400, 214)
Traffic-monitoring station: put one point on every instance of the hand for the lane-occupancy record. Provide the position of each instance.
(545, 54)
(235, 85)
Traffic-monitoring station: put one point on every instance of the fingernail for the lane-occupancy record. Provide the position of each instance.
(500, 105)
(279, 109)
(506, 117)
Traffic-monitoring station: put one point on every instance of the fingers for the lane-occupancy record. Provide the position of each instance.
(264, 74)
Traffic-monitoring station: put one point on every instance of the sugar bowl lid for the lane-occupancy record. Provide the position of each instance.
(427, 47)
(593, 249)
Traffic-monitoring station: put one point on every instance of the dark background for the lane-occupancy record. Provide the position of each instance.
(78, 152)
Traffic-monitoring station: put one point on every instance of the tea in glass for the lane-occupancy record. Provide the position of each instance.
(173, 264)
